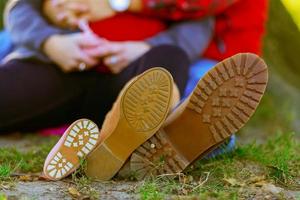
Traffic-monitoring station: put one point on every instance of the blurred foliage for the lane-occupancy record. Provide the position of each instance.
(282, 43)
(2, 4)
(279, 109)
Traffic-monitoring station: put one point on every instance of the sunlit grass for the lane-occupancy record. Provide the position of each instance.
(293, 7)
(2, 197)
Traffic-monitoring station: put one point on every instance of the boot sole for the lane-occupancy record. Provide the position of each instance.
(223, 101)
(144, 107)
(77, 142)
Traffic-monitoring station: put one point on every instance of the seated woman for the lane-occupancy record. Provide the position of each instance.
(38, 43)
(230, 29)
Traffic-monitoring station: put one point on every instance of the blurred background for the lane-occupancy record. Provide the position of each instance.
(278, 114)
(280, 108)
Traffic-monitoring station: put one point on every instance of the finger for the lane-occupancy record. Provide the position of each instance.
(118, 68)
(88, 60)
(97, 51)
(84, 17)
(84, 26)
(93, 52)
(76, 66)
(70, 66)
(107, 50)
(89, 40)
(115, 63)
(112, 60)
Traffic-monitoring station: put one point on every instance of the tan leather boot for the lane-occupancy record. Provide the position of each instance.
(125, 172)
(110, 122)
(138, 113)
(222, 103)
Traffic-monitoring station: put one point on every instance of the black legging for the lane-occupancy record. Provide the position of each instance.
(35, 95)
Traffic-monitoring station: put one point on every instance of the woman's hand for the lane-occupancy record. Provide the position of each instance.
(67, 51)
(67, 13)
(118, 55)
(124, 53)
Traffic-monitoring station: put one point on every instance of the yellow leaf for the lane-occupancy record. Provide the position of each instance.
(74, 192)
(256, 179)
(25, 178)
(233, 182)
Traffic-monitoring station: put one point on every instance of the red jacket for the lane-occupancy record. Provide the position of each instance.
(240, 28)
(239, 23)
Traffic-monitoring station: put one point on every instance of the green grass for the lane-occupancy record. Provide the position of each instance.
(280, 154)
(276, 162)
(83, 184)
(16, 161)
(2, 197)
(5, 171)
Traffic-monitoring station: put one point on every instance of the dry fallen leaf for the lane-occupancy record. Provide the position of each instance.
(184, 191)
(256, 179)
(5, 186)
(26, 178)
(233, 182)
(74, 192)
(260, 183)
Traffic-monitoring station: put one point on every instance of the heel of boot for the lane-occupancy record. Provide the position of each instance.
(107, 160)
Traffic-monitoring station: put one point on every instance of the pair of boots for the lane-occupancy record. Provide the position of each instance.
(157, 139)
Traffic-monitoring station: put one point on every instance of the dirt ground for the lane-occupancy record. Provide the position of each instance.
(60, 190)
(119, 190)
